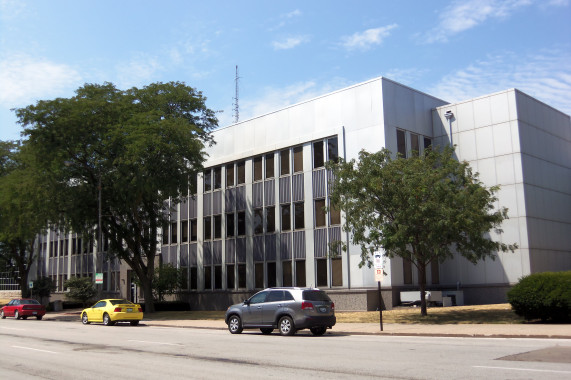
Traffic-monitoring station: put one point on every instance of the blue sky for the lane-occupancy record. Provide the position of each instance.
(287, 51)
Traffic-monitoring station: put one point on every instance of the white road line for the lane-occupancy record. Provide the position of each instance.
(35, 349)
(523, 369)
(146, 341)
(10, 328)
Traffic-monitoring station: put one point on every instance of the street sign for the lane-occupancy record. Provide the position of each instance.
(378, 261)
(31, 285)
(99, 278)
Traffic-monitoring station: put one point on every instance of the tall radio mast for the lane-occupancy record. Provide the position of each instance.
(236, 110)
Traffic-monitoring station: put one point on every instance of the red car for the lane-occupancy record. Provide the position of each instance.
(23, 308)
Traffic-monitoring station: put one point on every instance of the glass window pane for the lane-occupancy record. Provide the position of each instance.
(193, 229)
(284, 162)
(208, 180)
(207, 277)
(241, 223)
(218, 277)
(258, 166)
(427, 143)
(270, 165)
(318, 159)
(184, 230)
(270, 219)
(271, 274)
(241, 276)
(298, 159)
(321, 272)
(217, 227)
(401, 143)
(230, 225)
(217, 177)
(414, 144)
(258, 221)
(230, 276)
(286, 217)
(332, 150)
(193, 278)
(259, 273)
(299, 216)
(241, 167)
(320, 213)
(336, 272)
(287, 274)
(334, 215)
(229, 175)
(207, 228)
(300, 273)
(174, 236)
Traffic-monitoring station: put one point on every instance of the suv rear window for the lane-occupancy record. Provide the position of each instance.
(315, 295)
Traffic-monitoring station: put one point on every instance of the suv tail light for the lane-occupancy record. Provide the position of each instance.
(117, 310)
(332, 305)
(306, 305)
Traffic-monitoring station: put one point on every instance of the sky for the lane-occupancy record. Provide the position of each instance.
(286, 51)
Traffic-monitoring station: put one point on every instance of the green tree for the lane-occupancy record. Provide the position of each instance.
(422, 208)
(43, 287)
(126, 152)
(168, 280)
(22, 215)
(81, 289)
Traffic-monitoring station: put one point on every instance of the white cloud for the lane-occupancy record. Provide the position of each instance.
(546, 76)
(463, 15)
(12, 9)
(405, 76)
(284, 19)
(368, 38)
(25, 79)
(138, 71)
(289, 43)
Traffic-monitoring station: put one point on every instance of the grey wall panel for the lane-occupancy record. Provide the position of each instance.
(184, 209)
(258, 248)
(241, 250)
(335, 235)
(217, 252)
(270, 246)
(241, 198)
(297, 187)
(192, 255)
(299, 244)
(184, 255)
(258, 194)
(320, 242)
(217, 202)
(270, 192)
(192, 208)
(207, 254)
(230, 195)
(319, 183)
(285, 190)
(207, 204)
(285, 246)
(230, 251)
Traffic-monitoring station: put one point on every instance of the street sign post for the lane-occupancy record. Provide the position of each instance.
(378, 262)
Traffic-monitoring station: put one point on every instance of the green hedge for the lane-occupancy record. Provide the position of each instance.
(545, 296)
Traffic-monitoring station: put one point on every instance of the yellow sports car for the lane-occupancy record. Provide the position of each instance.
(113, 310)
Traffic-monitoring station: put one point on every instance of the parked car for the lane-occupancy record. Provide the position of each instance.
(110, 311)
(22, 308)
(287, 309)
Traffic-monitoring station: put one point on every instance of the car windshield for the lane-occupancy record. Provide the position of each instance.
(315, 295)
(118, 302)
(29, 302)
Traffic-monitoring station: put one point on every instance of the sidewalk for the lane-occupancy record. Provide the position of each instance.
(552, 331)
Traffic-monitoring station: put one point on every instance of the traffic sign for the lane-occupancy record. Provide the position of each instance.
(99, 278)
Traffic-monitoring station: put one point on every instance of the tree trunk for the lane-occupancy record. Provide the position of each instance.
(422, 283)
(147, 286)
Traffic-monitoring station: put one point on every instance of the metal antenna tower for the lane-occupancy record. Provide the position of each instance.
(236, 109)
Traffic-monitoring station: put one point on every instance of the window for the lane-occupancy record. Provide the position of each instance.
(241, 223)
(287, 275)
(174, 235)
(184, 231)
(208, 228)
(242, 276)
(193, 278)
(427, 143)
(258, 168)
(193, 229)
(230, 225)
(259, 273)
(271, 274)
(218, 277)
(230, 276)
(298, 159)
(299, 216)
(414, 144)
(270, 219)
(334, 215)
(286, 217)
(218, 227)
(184, 278)
(407, 270)
(336, 272)
(318, 159)
(241, 167)
(321, 272)
(401, 143)
(229, 175)
(284, 162)
(217, 177)
(300, 273)
(320, 213)
(258, 221)
(332, 149)
(207, 180)
(165, 235)
(207, 277)
(270, 165)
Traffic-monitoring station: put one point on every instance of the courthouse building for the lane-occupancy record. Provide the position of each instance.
(257, 219)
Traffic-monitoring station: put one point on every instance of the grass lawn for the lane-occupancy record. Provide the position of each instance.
(500, 313)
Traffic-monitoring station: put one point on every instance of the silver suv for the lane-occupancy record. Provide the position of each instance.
(287, 309)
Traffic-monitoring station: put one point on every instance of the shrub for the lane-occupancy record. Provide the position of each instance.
(545, 296)
(81, 289)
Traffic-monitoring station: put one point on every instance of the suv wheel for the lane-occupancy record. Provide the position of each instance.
(235, 324)
(286, 326)
(318, 331)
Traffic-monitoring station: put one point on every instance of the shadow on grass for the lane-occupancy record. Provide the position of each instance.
(460, 317)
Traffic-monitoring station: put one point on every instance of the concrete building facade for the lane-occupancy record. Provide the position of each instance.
(257, 220)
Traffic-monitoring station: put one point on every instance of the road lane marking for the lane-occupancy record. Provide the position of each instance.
(523, 369)
(35, 349)
(146, 341)
(11, 328)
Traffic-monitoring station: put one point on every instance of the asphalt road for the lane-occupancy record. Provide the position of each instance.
(67, 350)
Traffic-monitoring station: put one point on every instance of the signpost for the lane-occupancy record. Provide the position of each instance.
(378, 261)
(98, 278)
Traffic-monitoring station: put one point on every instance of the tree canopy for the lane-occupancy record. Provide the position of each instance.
(126, 152)
(423, 208)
